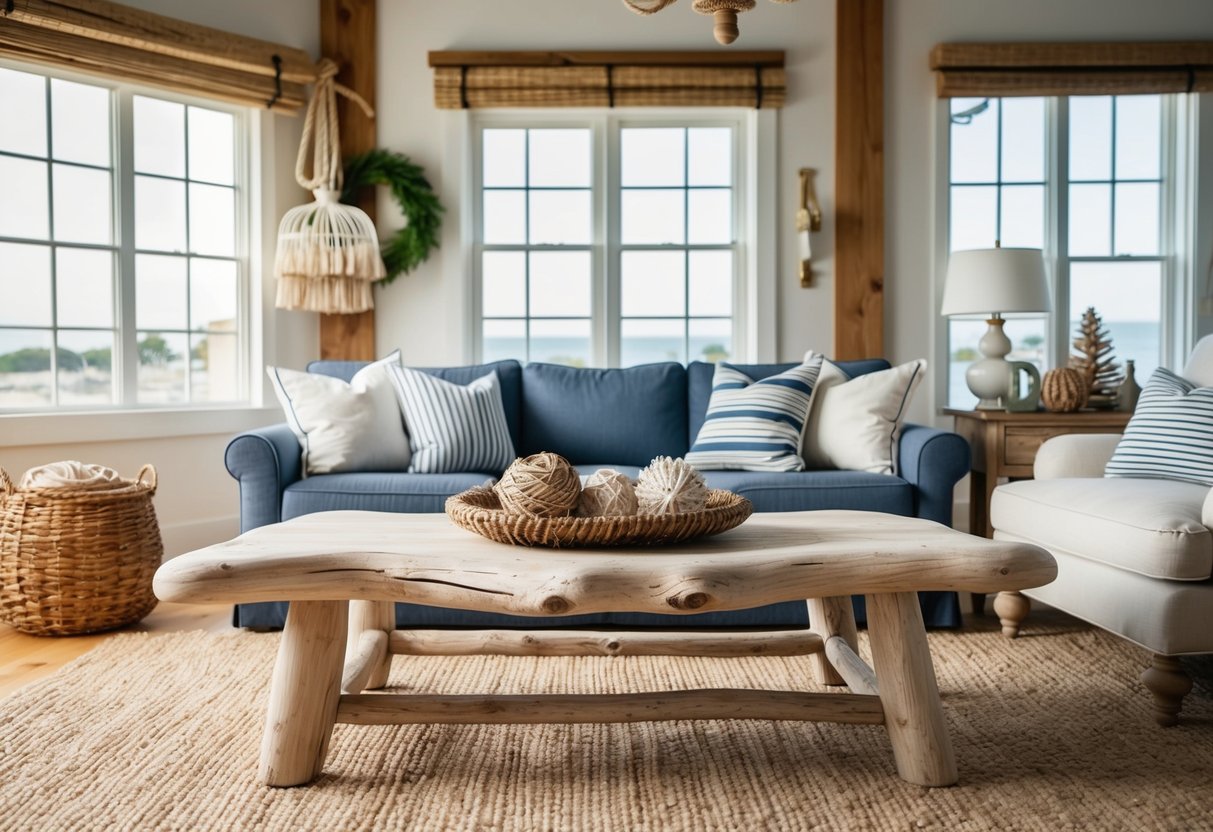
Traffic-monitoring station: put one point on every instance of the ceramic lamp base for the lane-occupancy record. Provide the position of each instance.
(990, 376)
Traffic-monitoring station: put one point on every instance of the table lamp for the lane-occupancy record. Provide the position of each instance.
(994, 281)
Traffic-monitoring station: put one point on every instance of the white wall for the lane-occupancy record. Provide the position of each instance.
(197, 502)
(416, 312)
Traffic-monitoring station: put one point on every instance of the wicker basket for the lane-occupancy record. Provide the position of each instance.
(78, 560)
(479, 510)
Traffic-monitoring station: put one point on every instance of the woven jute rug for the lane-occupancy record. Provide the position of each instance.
(1052, 731)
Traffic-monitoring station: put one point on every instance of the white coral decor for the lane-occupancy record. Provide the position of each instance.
(670, 486)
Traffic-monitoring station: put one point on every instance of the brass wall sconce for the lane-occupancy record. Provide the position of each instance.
(808, 218)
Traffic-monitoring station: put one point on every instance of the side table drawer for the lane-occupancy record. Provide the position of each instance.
(1022, 442)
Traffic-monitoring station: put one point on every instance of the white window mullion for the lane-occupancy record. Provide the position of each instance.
(608, 174)
(1057, 241)
(126, 362)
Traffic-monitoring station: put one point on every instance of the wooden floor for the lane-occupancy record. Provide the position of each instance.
(25, 658)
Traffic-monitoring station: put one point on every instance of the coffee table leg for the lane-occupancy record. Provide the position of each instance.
(908, 691)
(371, 615)
(304, 693)
(828, 617)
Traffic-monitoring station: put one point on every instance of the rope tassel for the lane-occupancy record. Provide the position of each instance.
(328, 252)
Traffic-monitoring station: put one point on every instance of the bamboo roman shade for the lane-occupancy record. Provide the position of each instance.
(118, 41)
(473, 80)
(1018, 69)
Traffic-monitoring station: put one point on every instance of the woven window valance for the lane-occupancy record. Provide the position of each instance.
(117, 41)
(474, 80)
(1019, 69)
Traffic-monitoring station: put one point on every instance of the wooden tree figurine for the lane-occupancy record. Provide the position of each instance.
(1094, 358)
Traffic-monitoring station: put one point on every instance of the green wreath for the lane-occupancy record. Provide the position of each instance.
(409, 247)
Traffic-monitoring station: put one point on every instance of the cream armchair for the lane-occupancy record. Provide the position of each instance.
(1134, 556)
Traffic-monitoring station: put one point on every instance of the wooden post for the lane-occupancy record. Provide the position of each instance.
(347, 36)
(859, 181)
(304, 693)
(922, 748)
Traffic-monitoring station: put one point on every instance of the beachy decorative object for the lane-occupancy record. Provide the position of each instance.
(1063, 390)
(328, 252)
(607, 493)
(540, 485)
(670, 486)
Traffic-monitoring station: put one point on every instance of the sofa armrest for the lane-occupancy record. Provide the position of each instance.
(265, 461)
(1074, 455)
(933, 461)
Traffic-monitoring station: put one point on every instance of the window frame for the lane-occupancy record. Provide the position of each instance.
(246, 193)
(1177, 212)
(606, 247)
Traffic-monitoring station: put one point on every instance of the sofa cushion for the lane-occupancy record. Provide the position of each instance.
(1170, 435)
(816, 490)
(699, 383)
(421, 493)
(509, 373)
(628, 416)
(1151, 527)
(755, 425)
(453, 427)
(855, 423)
(344, 426)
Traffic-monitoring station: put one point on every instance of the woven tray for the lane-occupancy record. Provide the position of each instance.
(478, 510)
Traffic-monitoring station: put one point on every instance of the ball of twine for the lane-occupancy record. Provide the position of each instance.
(607, 493)
(670, 486)
(540, 485)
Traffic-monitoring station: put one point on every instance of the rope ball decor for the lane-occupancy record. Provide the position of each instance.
(670, 486)
(607, 493)
(540, 485)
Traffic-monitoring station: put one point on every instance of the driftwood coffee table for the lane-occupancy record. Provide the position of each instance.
(343, 570)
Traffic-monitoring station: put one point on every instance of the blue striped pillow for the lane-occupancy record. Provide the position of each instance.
(755, 425)
(1170, 435)
(453, 428)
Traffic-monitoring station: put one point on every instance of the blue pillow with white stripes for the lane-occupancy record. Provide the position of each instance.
(755, 425)
(1170, 435)
(453, 428)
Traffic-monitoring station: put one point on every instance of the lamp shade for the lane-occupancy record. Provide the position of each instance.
(995, 280)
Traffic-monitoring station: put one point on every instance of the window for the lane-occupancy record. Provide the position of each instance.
(607, 241)
(122, 269)
(1083, 178)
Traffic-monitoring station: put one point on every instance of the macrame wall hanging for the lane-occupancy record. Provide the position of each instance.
(328, 252)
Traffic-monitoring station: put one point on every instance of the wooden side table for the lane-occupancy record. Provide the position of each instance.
(1005, 445)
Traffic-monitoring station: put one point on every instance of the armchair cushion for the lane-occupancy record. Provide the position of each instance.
(1151, 527)
(1171, 433)
(1075, 455)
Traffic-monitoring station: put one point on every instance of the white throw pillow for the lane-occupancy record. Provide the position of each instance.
(453, 428)
(854, 423)
(345, 427)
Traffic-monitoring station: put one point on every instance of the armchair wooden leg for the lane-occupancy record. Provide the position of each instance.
(1011, 609)
(1169, 683)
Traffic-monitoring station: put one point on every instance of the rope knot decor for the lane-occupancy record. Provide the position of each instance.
(328, 252)
(670, 486)
(540, 485)
(724, 13)
(607, 493)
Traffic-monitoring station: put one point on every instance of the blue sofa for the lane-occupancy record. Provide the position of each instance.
(598, 418)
